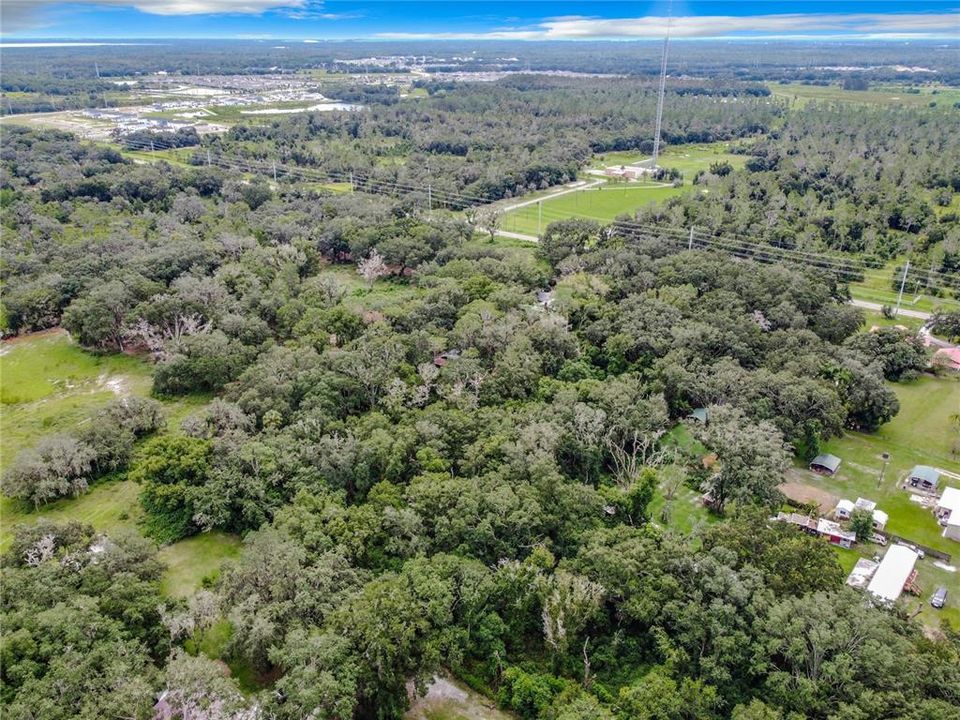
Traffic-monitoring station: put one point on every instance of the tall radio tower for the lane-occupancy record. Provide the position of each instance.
(663, 85)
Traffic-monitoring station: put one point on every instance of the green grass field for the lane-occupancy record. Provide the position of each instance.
(877, 287)
(606, 202)
(689, 159)
(110, 506)
(891, 95)
(595, 204)
(48, 384)
(191, 560)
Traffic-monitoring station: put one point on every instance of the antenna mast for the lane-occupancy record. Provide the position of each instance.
(663, 85)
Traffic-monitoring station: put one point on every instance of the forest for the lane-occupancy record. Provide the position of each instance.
(442, 451)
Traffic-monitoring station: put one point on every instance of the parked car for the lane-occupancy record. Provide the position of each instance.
(939, 598)
(878, 539)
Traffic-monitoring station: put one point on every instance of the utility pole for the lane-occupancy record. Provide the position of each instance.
(663, 86)
(690, 243)
(903, 282)
(352, 186)
(429, 197)
(208, 157)
(274, 171)
(97, 69)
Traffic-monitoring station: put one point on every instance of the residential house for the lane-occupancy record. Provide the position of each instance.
(835, 534)
(843, 510)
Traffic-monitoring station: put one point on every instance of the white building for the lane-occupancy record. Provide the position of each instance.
(893, 573)
(948, 513)
(879, 516)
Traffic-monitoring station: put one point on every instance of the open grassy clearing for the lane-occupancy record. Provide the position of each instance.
(886, 95)
(689, 159)
(608, 201)
(195, 558)
(48, 384)
(448, 699)
(877, 286)
(110, 506)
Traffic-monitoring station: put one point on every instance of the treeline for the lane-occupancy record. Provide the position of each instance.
(869, 182)
(884, 62)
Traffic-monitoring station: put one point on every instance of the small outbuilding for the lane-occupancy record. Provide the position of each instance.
(862, 573)
(924, 477)
(843, 510)
(699, 415)
(825, 464)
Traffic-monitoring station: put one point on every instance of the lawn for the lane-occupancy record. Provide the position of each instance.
(603, 204)
(193, 559)
(110, 506)
(610, 200)
(689, 159)
(877, 286)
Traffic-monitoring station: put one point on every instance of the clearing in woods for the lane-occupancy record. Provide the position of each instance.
(922, 433)
(48, 384)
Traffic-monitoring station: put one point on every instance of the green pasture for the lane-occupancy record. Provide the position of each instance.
(884, 95)
(878, 286)
(192, 559)
(689, 158)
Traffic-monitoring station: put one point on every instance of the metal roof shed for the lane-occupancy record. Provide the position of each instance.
(893, 573)
(924, 475)
(825, 463)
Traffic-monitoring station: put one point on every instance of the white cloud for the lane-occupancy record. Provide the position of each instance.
(796, 25)
(25, 14)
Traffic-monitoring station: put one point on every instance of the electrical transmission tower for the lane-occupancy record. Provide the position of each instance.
(663, 86)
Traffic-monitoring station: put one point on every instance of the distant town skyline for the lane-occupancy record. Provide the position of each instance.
(472, 20)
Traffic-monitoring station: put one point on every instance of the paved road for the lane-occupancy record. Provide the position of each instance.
(551, 196)
(867, 305)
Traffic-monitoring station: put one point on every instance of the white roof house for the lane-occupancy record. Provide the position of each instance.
(844, 508)
(880, 519)
(893, 573)
(864, 504)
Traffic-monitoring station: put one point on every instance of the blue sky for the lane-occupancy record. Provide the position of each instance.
(470, 19)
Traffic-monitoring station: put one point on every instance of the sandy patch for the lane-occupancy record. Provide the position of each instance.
(801, 493)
